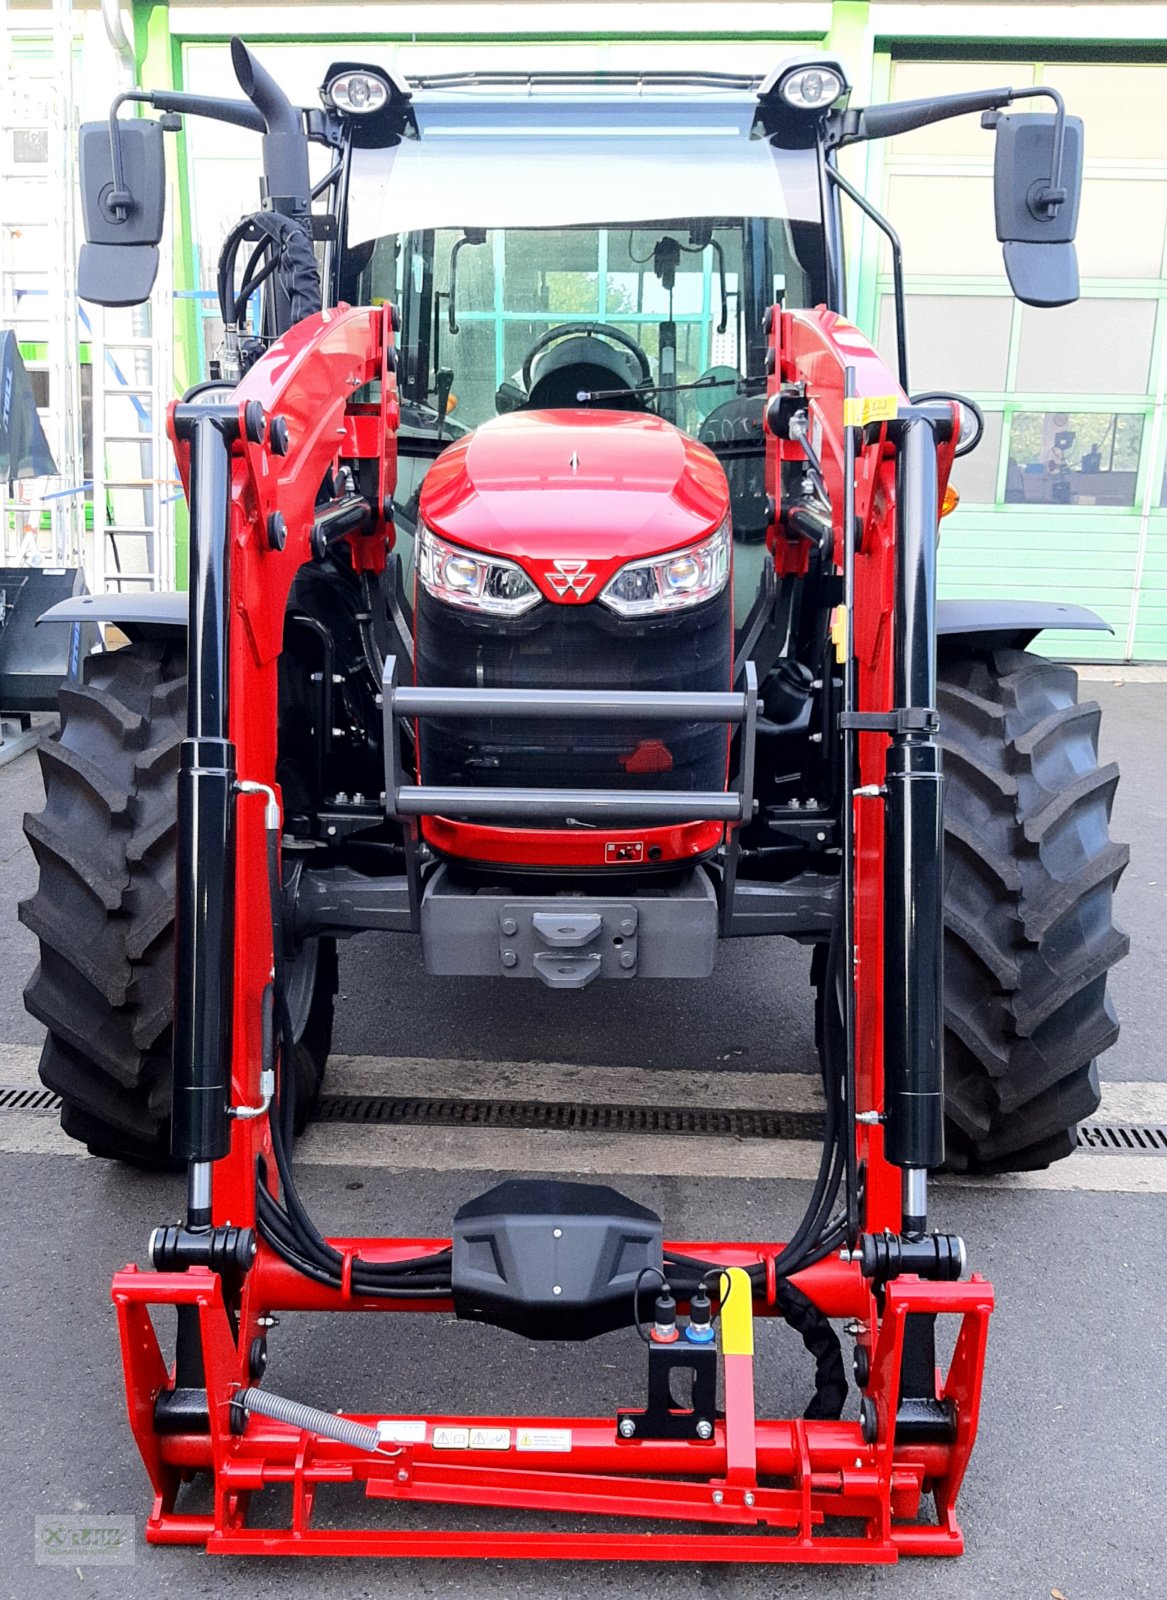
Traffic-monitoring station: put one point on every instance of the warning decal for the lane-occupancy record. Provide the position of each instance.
(451, 1439)
(552, 1440)
(857, 412)
(472, 1439)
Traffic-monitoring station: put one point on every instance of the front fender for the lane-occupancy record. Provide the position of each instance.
(1011, 624)
(139, 616)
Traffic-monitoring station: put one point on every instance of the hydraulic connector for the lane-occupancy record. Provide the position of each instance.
(664, 1328)
(700, 1328)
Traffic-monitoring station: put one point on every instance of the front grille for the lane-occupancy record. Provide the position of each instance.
(574, 647)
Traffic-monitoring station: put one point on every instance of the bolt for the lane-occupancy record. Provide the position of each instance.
(627, 1427)
(331, 829)
(628, 925)
(627, 958)
(556, 1288)
(358, 798)
(718, 1497)
(402, 1475)
(854, 1327)
(342, 797)
(815, 738)
(267, 1321)
(704, 1429)
(509, 958)
(557, 1233)
(820, 836)
(338, 677)
(749, 1497)
(509, 926)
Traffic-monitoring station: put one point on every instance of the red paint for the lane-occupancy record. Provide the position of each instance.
(598, 487)
(650, 755)
(798, 1474)
(565, 847)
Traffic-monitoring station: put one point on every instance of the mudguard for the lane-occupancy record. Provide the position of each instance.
(1012, 623)
(139, 616)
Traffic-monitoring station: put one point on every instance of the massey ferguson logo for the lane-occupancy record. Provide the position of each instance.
(570, 577)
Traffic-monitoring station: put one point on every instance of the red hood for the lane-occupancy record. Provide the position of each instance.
(598, 487)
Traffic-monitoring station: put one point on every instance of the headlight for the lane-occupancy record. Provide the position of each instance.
(811, 88)
(358, 93)
(666, 583)
(479, 583)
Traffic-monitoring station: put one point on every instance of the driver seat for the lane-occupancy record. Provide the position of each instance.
(583, 362)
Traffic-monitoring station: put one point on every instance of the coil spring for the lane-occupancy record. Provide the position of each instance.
(310, 1419)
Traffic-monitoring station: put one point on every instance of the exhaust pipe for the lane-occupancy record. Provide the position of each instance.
(285, 147)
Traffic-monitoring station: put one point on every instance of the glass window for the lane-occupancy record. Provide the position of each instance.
(975, 476)
(945, 224)
(678, 277)
(1120, 227)
(1093, 346)
(1121, 105)
(1074, 458)
(954, 341)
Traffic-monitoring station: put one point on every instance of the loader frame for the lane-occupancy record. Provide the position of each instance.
(755, 1489)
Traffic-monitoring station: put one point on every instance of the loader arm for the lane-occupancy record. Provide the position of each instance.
(254, 474)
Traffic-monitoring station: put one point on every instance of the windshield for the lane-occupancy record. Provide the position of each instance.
(504, 221)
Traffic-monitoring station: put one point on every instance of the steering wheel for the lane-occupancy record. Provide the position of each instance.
(964, 445)
(567, 330)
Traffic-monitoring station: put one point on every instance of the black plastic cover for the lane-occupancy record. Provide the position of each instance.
(554, 1260)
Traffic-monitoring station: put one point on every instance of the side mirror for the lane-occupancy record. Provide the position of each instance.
(122, 210)
(1037, 184)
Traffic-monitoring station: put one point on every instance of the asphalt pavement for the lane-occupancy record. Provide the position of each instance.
(1065, 1495)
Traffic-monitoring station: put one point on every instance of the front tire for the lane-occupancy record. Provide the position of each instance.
(1029, 935)
(103, 910)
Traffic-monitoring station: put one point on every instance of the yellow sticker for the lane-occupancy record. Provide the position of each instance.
(859, 410)
(737, 1313)
(839, 632)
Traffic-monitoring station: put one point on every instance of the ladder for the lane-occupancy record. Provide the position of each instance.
(131, 486)
(135, 485)
(43, 519)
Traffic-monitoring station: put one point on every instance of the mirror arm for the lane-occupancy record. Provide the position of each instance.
(897, 267)
(1048, 201)
(120, 199)
(239, 112)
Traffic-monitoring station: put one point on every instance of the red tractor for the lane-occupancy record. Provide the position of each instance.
(562, 590)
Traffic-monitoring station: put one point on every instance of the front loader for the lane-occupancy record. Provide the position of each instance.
(563, 592)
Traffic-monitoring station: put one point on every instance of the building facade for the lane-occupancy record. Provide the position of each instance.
(1066, 497)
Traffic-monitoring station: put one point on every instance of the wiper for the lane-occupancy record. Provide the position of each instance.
(740, 385)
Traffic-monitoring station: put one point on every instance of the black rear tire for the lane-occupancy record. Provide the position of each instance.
(1029, 933)
(103, 910)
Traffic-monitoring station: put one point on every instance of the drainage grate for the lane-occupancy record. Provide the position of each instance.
(1112, 1139)
(1100, 1138)
(29, 1100)
(569, 1117)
